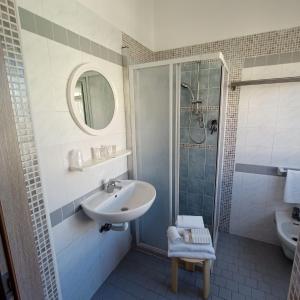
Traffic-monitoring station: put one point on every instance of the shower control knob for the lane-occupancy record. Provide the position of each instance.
(213, 126)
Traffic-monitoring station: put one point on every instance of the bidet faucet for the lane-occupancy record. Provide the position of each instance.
(111, 186)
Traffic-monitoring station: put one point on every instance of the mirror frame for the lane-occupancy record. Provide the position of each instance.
(75, 75)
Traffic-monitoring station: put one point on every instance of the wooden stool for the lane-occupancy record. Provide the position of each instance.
(190, 266)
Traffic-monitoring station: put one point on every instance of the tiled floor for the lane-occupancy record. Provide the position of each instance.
(245, 269)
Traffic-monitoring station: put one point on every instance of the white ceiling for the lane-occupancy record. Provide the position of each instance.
(166, 24)
(180, 23)
(134, 17)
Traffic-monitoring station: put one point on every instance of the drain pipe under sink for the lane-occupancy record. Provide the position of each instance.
(114, 227)
(119, 226)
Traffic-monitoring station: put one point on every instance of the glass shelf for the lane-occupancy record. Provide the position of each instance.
(92, 163)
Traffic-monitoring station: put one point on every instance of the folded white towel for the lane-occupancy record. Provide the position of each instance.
(177, 244)
(189, 254)
(200, 236)
(189, 221)
(292, 187)
(173, 234)
(181, 246)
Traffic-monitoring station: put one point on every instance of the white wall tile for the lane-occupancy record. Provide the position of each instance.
(76, 226)
(254, 191)
(247, 73)
(286, 137)
(238, 184)
(267, 134)
(264, 72)
(290, 70)
(53, 177)
(98, 30)
(261, 116)
(39, 77)
(264, 96)
(255, 199)
(63, 59)
(51, 127)
(262, 136)
(245, 95)
(85, 264)
(290, 95)
(257, 155)
(243, 116)
(286, 157)
(288, 117)
(36, 6)
(78, 244)
(76, 17)
(63, 12)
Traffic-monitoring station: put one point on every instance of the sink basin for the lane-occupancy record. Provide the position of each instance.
(123, 205)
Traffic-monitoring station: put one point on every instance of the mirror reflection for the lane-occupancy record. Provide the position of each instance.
(94, 100)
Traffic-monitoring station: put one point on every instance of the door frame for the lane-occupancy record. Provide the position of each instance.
(18, 232)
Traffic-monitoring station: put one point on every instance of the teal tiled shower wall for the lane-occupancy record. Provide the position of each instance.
(198, 162)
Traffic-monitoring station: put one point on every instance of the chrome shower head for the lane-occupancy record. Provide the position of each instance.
(187, 86)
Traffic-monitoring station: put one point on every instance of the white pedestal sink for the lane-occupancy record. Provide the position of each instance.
(123, 205)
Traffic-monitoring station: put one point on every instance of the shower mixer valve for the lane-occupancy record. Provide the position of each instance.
(213, 126)
(196, 108)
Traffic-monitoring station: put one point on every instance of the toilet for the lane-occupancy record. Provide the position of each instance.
(288, 231)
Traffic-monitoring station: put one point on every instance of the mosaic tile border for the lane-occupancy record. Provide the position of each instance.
(198, 146)
(294, 290)
(70, 209)
(50, 30)
(202, 108)
(136, 52)
(10, 42)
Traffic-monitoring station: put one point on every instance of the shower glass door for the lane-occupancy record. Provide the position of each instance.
(153, 155)
(177, 134)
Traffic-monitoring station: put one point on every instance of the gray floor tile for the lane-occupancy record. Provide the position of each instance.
(258, 295)
(251, 282)
(232, 285)
(244, 270)
(112, 293)
(225, 293)
(237, 296)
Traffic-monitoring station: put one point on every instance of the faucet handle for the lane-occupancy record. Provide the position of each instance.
(111, 185)
(113, 181)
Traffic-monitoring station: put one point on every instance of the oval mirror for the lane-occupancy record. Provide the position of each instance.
(91, 99)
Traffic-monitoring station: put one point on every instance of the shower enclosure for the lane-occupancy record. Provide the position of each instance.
(177, 116)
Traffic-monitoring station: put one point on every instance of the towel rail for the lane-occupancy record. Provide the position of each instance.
(235, 84)
(283, 171)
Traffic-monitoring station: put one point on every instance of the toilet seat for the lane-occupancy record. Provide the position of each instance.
(288, 232)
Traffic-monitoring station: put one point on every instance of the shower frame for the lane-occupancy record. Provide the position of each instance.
(174, 133)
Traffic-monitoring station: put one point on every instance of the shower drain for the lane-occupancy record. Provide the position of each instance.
(124, 208)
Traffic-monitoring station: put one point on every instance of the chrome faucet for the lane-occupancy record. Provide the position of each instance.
(111, 186)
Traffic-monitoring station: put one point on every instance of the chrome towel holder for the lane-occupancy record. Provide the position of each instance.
(282, 171)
